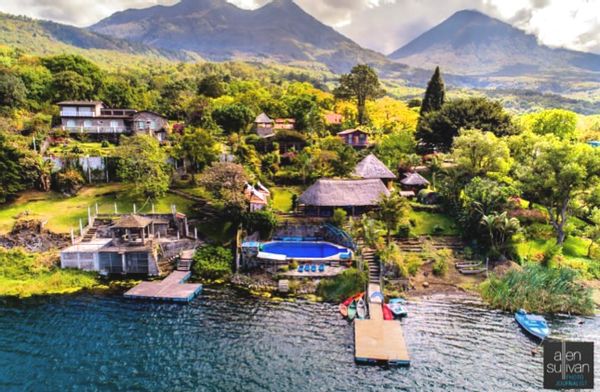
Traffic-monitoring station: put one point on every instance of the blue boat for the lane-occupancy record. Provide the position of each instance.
(533, 324)
(397, 308)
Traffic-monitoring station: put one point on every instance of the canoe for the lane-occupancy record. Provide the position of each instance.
(533, 324)
(349, 300)
(361, 309)
(352, 310)
(344, 310)
(397, 309)
(387, 313)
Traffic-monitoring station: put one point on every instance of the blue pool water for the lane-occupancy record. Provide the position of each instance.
(303, 249)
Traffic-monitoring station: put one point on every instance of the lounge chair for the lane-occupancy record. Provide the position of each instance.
(321, 267)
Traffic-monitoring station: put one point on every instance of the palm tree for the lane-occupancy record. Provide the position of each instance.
(500, 228)
(391, 210)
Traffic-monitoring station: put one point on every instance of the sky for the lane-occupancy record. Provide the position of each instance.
(382, 25)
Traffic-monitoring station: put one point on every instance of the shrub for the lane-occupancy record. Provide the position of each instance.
(69, 181)
(293, 265)
(348, 283)
(538, 289)
(262, 221)
(403, 230)
(339, 217)
(105, 144)
(440, 267)
(213, 262)
(437, 229)
(413, 263)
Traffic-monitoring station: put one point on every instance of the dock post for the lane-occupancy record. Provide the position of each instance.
(89, 216)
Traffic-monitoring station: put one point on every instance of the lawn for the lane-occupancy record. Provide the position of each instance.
(282, 197)
(62, 213)
(427, 222)
(84, 148)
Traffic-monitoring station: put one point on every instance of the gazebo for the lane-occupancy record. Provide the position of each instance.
(354, 196)
(414, 182)
(372, 168)
(264, 125)
(133, 223)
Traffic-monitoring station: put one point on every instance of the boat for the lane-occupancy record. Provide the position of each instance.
(387, 312)
(533, 324)
(352, 310)
(361, 309)
(343, 309)
(396, 305)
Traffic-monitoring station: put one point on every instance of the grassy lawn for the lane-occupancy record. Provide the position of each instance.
(426, 222)
(85, 148)
(62, 213)
(282, 197)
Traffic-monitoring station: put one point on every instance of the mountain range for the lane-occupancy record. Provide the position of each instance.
(473, 49)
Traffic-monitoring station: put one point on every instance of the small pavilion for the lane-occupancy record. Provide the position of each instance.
(372, 168)
(133, 227)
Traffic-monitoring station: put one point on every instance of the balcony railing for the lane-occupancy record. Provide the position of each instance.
(76, 113)
(96, 129)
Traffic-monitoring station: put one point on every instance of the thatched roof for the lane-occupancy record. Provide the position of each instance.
(372, 167)
(132, 222)
(414, 179)
(342, 193)
(263, 119)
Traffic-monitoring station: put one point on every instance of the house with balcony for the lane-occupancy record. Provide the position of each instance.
(94, 118)
(356, 138)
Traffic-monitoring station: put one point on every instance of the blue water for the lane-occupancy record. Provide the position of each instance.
(224, 341)
(303, 249)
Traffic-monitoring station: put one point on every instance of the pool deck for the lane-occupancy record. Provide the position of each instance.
(377, 340)
(172, 288)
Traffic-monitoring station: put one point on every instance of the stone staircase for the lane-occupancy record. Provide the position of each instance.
(91, 232)
(373, 265)
(443, 242)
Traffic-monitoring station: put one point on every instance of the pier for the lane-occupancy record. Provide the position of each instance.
(377, 340)
(172, 288)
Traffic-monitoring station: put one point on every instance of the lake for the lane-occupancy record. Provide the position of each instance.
(227, 341)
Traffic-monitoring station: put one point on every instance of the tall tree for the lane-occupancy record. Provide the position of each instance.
(233, 118)
(10, 171)
(478, 153)
(143, 163)
(199, 147)
(391, 210)
(361, 84)
(435, 94)
(558, 174)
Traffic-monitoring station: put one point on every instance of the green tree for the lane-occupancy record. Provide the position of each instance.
(391, 210)
(478, 153)
(212, 86)
(558, 122)
(394, 147)
(117, 92)
(435, 94)
(438, 129)
(11, 181)
(143, 163)
(592, 231)
(13, 92)
(361, 84)
(226, 181)
(199, 147)
(559, 173)
(500, 229)
(233, 118)
(71, 85)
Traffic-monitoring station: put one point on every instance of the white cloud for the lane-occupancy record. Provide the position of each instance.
(383, 25)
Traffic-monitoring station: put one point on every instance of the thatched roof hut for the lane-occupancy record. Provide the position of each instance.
(372, 167)
(344, 193)
(414, 180)
(132, 222)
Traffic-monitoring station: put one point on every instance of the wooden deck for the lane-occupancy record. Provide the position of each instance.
(172, 288)
(377, 340)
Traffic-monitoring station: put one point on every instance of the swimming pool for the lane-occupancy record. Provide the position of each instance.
(306, 250)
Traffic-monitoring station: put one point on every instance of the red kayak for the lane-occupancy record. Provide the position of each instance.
(387, 312)
(355, 297)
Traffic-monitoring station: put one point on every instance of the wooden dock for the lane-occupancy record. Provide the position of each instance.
(377, 340)
(172, 288)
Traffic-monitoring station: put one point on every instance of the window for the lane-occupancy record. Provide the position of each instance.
(70, 123)
(87, 123)
(152, 124)
(114, 124)
(141, 125)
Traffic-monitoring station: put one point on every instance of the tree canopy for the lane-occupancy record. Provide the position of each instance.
(361, 84)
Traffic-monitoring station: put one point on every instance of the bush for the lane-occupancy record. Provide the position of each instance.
(349, 282)
(437, 229)
(339, 217)
(105, 144)
(69, 181)
(213, 262)
(293, 265)
(262, 221)
(440, 267)
(403, 230)
(538, 289)
(413, 263)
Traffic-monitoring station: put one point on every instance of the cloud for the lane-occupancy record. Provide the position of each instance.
(383, 25)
